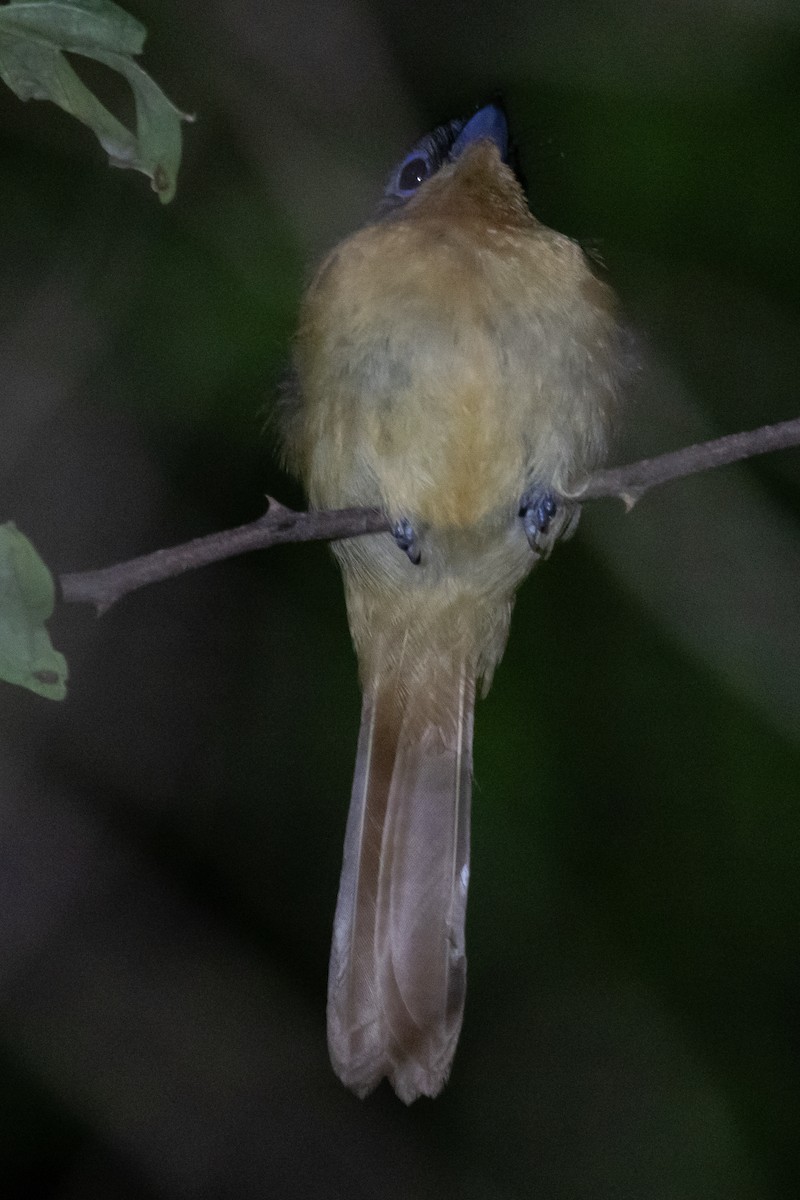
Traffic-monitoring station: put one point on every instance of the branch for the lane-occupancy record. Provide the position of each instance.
(280, 525)
(631, 482)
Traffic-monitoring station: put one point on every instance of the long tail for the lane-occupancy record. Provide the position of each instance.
(398, 965)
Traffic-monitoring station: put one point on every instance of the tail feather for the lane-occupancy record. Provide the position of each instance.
(398, 965)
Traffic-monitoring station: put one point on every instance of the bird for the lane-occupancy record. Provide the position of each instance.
(457, 364)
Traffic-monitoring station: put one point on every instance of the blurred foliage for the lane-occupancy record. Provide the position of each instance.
(171, 836)
(27, 597)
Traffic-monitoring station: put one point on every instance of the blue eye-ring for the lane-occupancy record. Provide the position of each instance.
(413, 171)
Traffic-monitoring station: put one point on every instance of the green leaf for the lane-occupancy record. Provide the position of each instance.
(77, 24)
(27, 596)
(33, 37)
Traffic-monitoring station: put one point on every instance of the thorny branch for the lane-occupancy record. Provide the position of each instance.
(631, 482)
(279, 525)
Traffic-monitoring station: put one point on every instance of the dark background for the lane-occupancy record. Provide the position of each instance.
(170, 836)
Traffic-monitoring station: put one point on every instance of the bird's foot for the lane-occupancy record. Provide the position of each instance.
(546, 517)
(406, 538)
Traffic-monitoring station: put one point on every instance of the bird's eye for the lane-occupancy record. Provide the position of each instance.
(412, 174)
(420, 164)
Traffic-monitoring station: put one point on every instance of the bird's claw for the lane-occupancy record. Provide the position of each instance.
(406, 538)
(545, 518)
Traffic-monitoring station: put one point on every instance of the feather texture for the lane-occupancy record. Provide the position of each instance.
(398, 963)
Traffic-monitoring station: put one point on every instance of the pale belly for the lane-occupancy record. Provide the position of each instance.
(446, 446)
(441, 383)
